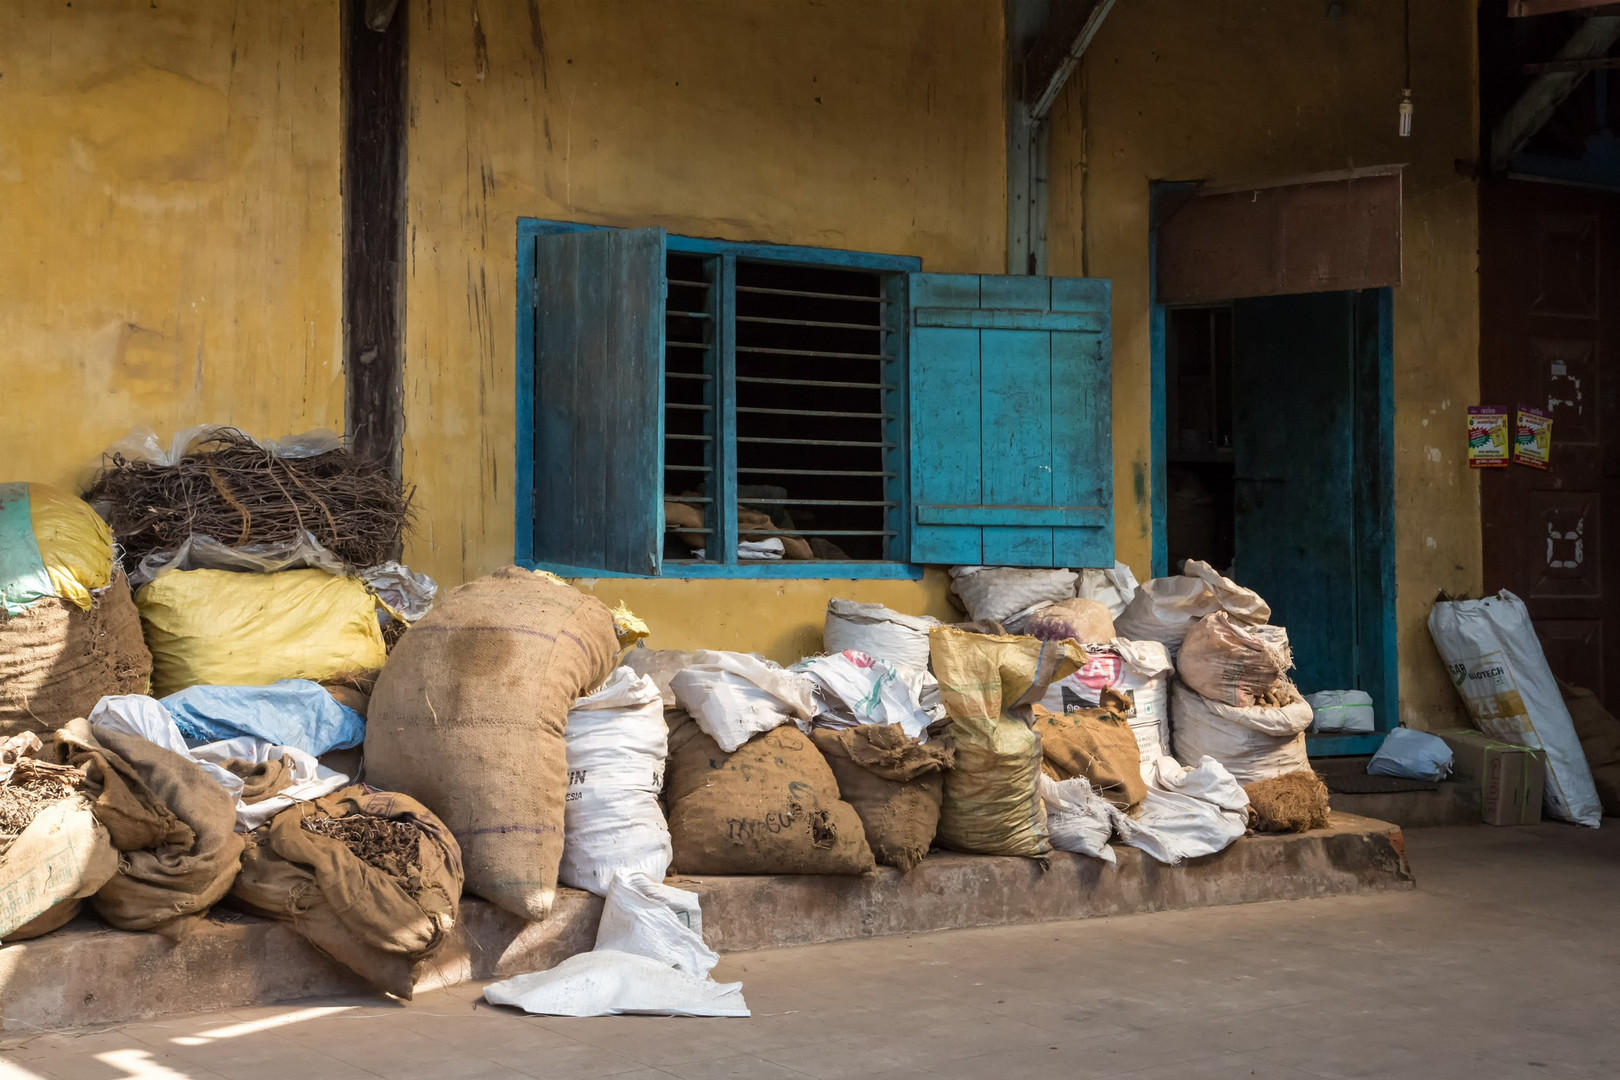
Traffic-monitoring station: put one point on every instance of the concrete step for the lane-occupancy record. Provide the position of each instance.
(86, 974)
(1451, 804)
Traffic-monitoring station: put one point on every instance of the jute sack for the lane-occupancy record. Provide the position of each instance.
(1599, 733)
(1097, 744)
(60, 859)
(468, 717)
(175, 825)
(895, 784)
(992, 803)
(57, 661)
(772, 807)
(379, 923)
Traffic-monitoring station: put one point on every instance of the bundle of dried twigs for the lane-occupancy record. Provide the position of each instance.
(230, 488)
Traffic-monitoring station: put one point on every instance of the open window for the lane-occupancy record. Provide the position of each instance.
(696, 408)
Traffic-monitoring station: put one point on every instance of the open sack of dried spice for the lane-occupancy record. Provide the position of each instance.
(53, 852)
(370, 878)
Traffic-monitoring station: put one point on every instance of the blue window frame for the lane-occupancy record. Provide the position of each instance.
(679, 398)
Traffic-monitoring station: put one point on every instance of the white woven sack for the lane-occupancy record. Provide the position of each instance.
(1254, 743)
(1164, 608)
(735, 696)
(1140, 670)
(1001, 593)
(645, 917)
(1490, 648)
(617, 742)
(877, 631)
(1113, 589)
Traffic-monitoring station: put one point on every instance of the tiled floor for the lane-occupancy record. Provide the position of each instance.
(1504, 963)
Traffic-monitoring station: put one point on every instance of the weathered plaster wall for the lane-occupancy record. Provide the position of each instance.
(872, 126)
(170, 248)
(1246, 90)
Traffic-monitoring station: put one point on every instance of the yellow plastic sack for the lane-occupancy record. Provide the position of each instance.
(51, 544)
(992, 803)
(231, 629)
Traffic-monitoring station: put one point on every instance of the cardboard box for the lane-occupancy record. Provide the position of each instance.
(1510, 778)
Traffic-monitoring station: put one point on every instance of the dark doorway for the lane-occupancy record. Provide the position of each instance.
(1278, 471)
(1549, 327)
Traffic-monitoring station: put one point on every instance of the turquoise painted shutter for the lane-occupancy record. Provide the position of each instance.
(599, 400)
(1012, 457)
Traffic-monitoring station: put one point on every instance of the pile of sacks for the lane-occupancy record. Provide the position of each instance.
(1232, 700)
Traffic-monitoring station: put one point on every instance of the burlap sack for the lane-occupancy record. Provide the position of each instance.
(894, 783)
(1097, 744)
(992, 803)
(57, 661)
(770, 808)
(468, 717)
(174, 823)
(379, 926)
(1599, 733)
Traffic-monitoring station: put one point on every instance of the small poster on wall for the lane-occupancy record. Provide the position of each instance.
(1532, 438)
(1487, 437)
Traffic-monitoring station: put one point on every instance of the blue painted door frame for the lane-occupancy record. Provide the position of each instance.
(1372, 481)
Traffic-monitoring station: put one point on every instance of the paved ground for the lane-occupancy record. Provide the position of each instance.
(1502, 964)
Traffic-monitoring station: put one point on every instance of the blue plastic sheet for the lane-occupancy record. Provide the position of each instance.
(292, 712)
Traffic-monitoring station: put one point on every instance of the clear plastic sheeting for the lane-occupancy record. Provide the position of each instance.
(206, 553)
(405, 593)
(143, 444)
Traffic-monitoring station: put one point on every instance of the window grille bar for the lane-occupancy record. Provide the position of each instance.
(815, 502)
(816, 323)
(693, 408)
(816, 354)
(812, 472)
(819, 532)
(760, 289)
(688, 438)
(816, 382)
(701, 376)
(805, 442)
(816, 412)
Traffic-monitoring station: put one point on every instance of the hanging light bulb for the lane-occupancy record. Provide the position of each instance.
(1406, 51)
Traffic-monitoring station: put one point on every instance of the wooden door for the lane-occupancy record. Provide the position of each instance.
(1549, 316)
(1293, 433)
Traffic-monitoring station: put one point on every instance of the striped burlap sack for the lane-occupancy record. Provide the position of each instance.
(467, 717)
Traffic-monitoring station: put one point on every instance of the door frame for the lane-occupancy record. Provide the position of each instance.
(1374, 484)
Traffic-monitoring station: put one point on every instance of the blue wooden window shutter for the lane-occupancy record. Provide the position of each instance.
(599, 399)
(1011, 421)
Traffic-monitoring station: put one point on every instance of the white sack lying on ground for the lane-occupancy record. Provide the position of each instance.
(650, 919)
(649, 959)
(1496, 663)
(1187, 812)
(1077, 818)
(606, 983)
(616, 741)
(735, 696)
(145, 717)
(854, 688)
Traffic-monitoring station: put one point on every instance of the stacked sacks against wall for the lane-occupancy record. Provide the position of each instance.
(69, 632)
(747, 791)
(1234, 703)
(468, 717)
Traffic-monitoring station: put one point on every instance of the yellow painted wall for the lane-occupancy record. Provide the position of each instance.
(170, 223)
(1245, 90)
(869, 126)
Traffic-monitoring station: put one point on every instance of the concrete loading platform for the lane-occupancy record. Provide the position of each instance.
(86, 974)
